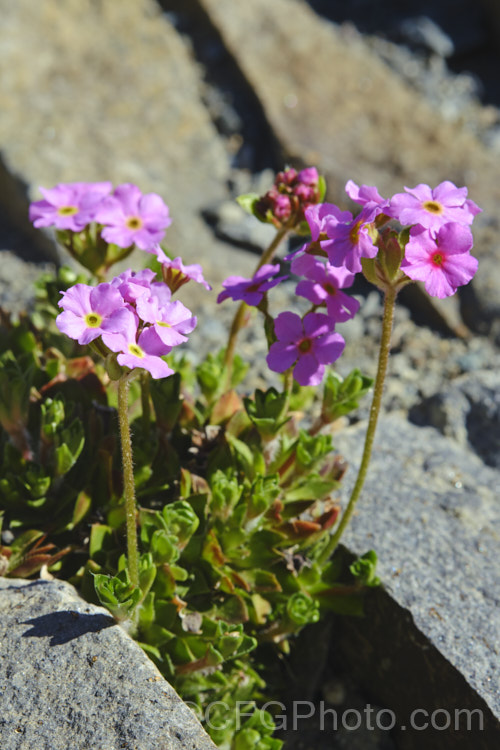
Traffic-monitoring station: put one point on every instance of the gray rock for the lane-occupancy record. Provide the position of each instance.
(72, 678)
(468, 410)
(431, 640)
(239, 228)
(422, 31)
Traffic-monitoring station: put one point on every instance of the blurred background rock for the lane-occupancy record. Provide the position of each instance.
(200, 100)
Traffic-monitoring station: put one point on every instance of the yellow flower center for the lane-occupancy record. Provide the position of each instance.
(433, 207)
(161, 323)
(354, 233)
(136, 350)
(437, 259)
(134, 222)
(67, 210)
(93, 320)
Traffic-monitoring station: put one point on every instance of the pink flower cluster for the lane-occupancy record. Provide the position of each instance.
(438, 251)
(127, 217)
(133, 315)
(290, 195)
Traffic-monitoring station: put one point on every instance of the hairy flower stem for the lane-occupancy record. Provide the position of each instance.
(145, 402)
(128, 481)
(287, 391)
(239, 317)
(378, 387)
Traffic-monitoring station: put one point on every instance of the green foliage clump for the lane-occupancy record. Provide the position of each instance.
(236, 505)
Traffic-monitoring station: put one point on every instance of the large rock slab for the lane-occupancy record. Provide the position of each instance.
(331, 101)
(71, 678)
(431, 639)
(108, 91)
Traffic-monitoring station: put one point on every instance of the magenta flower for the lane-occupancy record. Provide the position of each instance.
(69, 206)
(319, 217)
(307, 185)
(129, 217)
(144, 350)
(91, 311)
(443, 262)
(324, 215)
(170, 320)
(133, 284)
(323, 285)
(308, 176)
(251, 290)
(433, 208)
(175, 273)
(351, 241)
(365, 195)
(310, 344)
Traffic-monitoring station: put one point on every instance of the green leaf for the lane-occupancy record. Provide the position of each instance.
(302, 609)
(363, 569)
(263, 493)
(247, 201)
(101, 539)
(163, 547)
(243, 455)
(312, 448)
(117, 593)
(311, 487)
(265, 410)
(226, 493)
(180, 520)
(341, 396)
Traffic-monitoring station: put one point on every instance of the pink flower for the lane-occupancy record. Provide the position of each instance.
(90, 311)
(133, 284)
(433, 208)
(129, 217)
(310, 344)
(175, 273)
(251, 290)
(144, 350)
(170, 320)
(323, 286)
(323, 215)
(443, 262)
(69, 206)
(365, 195)
(319, 217)
(351, 241)
(308, 176)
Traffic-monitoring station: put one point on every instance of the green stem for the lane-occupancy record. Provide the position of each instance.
(240, 313)
(287, 390)
(145, 402)
(128, 480)
(383, 358)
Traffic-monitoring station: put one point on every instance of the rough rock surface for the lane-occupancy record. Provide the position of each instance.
(430, 510)
(72, 678)
(469, 412)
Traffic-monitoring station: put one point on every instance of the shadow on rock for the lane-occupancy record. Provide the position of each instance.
(63, 627)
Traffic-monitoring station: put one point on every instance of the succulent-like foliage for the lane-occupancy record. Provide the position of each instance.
(236, 502)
